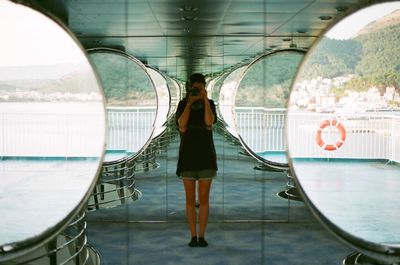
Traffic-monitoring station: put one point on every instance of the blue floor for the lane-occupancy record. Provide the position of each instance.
(274, 156)
(30, 186)
(360, 196)
(229, 243)
(248, 224)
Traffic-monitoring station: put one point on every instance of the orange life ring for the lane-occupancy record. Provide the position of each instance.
(339, 143)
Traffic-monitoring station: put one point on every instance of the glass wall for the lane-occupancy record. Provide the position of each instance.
(52, 133)
(163, 101)
(131, 102)
(343, 130)
(260, 103)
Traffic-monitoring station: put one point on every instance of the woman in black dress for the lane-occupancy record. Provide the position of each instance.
(197, 158)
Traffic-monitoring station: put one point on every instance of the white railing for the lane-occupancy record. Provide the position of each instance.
(51, 129)
(31, 130)
(130, 128)
(395, 143)
(368, 135)
(261, 128)
(36, 133)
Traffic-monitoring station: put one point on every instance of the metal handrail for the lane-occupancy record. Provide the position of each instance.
(75, 232)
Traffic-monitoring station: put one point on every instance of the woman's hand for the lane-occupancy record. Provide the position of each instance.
(192, 99)
(203, 93)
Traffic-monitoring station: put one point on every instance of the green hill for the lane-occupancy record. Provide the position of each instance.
(380, 52)
(332, 58)
(267, 82)
(373, 56)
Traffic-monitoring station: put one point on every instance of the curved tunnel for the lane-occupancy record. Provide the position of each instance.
(89, 141)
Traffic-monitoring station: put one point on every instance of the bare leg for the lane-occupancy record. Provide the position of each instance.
(204, 193)
(190, 191)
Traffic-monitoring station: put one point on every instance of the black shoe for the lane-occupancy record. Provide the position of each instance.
(193, 243)
(202, 242)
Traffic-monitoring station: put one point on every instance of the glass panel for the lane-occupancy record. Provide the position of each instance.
(163, 101)
(214, 88)
(174, 91)
(52, 127)
(344, 128)
(227, 99)
(260, 103)
(131, 102)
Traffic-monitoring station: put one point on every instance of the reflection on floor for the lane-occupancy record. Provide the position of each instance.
(152, 230)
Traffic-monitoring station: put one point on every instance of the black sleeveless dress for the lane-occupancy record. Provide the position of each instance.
(196, 150)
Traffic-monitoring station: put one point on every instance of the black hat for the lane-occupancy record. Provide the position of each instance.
(197, 78)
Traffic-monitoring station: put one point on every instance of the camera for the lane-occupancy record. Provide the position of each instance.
(194, 92)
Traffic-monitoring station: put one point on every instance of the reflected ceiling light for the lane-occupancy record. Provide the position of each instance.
(188, 9)
(341, 8)
(189, 18)
(301, 31)
(324, 18)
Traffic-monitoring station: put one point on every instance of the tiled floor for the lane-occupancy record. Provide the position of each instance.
(248, 224)
(229, 243)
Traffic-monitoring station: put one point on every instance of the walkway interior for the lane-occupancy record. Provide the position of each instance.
(248, 224)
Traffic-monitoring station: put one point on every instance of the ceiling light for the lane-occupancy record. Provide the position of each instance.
(325, 18)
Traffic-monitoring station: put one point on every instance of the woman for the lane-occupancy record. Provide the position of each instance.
(197, 159)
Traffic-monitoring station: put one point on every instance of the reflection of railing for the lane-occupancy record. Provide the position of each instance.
(129, 128)
(69, 247)
(261, 128)
(50, 135)
(395, 145)
(368, 135)
(116, 185)
(69, 133)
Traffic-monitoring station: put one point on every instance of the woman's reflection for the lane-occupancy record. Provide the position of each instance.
(197, 157)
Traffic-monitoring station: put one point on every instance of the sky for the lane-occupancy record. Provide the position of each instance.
(350, 25)
(30, 38)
